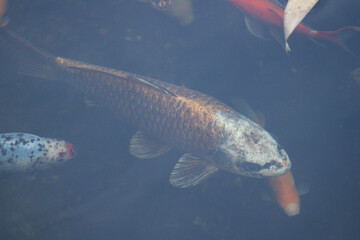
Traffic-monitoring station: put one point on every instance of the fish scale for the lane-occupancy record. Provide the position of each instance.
(182, 120)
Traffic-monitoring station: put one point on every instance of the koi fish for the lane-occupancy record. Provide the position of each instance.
(283, 187)
(3, 6)
(286, 194)
(23, 152)
(272, 15)
(213, 135)
(295, 12)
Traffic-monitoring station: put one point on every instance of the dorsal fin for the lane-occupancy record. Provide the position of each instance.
(112, 72)
(141, 79)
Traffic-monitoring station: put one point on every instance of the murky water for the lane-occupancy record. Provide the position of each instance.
(309, 100)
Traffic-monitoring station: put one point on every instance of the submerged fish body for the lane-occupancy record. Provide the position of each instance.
(285, 193)
(214, 135)
(23, 152)
(272, 15)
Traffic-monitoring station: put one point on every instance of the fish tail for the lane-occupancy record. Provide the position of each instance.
(340, 36)
(31, 61)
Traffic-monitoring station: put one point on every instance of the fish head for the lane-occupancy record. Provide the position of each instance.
(55, 152)
(248, 149)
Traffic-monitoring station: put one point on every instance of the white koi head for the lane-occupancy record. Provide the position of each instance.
(248, 149)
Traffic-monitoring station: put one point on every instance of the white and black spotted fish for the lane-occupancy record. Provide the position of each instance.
(23, 152)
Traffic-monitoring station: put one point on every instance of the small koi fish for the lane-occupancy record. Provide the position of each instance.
(295, 12)
(23, 152)
(272, 15)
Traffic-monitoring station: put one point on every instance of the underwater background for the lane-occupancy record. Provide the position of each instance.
(309, 100)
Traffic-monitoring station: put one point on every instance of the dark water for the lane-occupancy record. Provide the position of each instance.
(308, 98)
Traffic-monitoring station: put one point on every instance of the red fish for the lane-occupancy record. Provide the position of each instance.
(286, 194)
(272, 15)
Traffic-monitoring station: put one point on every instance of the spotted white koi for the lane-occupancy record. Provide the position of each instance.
(23, 152)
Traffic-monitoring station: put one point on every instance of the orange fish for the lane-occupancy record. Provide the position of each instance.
(286, 194)
(3, 4)
(272, 15)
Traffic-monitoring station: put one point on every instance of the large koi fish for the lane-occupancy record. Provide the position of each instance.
(213, 135)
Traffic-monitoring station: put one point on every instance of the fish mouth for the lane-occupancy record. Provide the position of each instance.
(275, 168)
(271, 169)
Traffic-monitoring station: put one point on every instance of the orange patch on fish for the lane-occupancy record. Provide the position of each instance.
(285, 193)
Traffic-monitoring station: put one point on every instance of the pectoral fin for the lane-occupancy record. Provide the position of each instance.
(190, 171)
(255, 28)
(145, 147)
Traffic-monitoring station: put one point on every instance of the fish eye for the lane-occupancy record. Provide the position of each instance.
(250, 167)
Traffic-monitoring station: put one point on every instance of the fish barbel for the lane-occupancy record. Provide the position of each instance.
(213, 135)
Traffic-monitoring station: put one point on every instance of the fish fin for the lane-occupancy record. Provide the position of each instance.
(340, 36)
(277, 13)
(278, 3)
(294, 13)
(190, 171)
(317, 42)
(145, 147)
(267, 196)
(255, 28)
(31, 61)
(245, 109)
(158, 87)
(302, 188)
(5, 21)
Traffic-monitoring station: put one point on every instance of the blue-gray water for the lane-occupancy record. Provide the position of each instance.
(309, 100)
